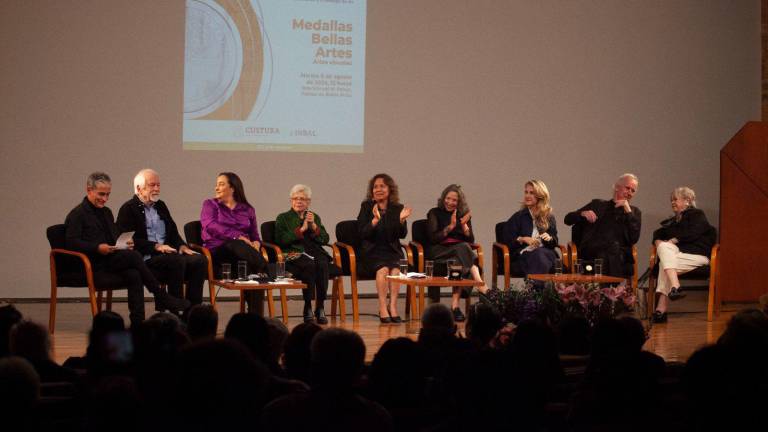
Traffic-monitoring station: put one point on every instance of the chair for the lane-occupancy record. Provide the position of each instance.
(276, 255)
(573, 252)
(709, 273)
(73, 269)
(420, 245)
(348, 244)
(193, 233)
(509, 268)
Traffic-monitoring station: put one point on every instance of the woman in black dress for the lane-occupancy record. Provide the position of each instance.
(381, 224)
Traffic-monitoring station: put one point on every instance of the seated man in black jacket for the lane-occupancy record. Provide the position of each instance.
(607, 229)
(91, 230)
(157, 239)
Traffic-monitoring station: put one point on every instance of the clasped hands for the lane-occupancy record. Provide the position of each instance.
(591, 217)
(309, 222)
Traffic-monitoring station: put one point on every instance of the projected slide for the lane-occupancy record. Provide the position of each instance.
(284, 75)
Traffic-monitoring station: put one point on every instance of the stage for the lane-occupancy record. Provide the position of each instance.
(686, 331)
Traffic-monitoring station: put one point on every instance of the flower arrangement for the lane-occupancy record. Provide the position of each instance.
(552, 302)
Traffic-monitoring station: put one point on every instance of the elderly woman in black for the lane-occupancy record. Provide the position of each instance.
(683, 243)
(450, 234)
(381, 224)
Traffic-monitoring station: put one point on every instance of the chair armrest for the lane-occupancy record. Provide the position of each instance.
(335, 253)
(205, 251)
(479, 250)
(652, 258)
(504, 249)
(87, 267)
(275, 249)
(420, 253)
(350, 251)
(573, 255)
(408, 253)
(564, 256)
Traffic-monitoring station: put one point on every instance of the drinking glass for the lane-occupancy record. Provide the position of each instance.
(242, 270)
(226, 271)
(448, 264)
(403, 267)
(578, 266)
(558, 267)
(598, 266)
(280, 270)
(429, 267)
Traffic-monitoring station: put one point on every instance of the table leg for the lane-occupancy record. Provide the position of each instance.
(421, 302)
(270, 303)
(242, 301)
(284, 305)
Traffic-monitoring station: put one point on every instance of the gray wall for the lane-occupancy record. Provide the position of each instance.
(485, 93)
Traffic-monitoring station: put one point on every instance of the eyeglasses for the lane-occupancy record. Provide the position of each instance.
(300, 199)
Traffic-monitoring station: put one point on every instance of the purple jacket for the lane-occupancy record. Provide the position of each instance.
(220, 223)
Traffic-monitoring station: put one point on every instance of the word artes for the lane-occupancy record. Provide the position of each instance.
(321, 25)
(333, 52)
(332, 39)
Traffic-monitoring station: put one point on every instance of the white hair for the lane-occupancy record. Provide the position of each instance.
(685, 193)
(626, 176)
(300, 188)
(141, 178)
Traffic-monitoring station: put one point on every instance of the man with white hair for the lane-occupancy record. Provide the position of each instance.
(157, 239)
(607, 229)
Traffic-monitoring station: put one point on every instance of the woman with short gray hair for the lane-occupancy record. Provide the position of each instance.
(683, 243)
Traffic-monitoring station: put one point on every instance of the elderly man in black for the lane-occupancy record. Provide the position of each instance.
(607, 229)
(91, 229)
(157, 238)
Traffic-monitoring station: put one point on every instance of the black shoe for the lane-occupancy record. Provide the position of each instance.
(308, 316)
(676, 294)
(458, 315)
(385, 320)
(659, 317)
(396, 319)
(165, 301)
(320, 316)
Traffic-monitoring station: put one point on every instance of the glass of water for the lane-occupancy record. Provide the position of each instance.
(242, 270)
(598, 266)
(429, 268)
(280, 270)
(226, 271)
(578, 266)
(558, 267)
(403, 267)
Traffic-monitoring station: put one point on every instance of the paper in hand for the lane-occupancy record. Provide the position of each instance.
(122, 241)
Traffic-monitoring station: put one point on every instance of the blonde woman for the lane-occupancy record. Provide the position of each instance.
(531, 233)
(683, 243)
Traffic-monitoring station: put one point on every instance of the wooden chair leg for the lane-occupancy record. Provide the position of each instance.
(242, 301)
(355, 305)
(52, 307)
(334, 298)
(338, 284)
(109, 300)
(99, 301)
(283, 305)
(212, 289)
(468, 302)
(494, 269)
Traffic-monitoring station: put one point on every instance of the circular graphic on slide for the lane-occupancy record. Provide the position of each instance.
(213, 58)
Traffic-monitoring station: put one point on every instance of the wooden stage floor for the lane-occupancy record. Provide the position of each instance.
(686, 331)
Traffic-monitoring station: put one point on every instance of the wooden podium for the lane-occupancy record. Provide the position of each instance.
(744, 214)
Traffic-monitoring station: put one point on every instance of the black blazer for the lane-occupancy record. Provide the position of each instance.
(389, 223)
(520, 224)
(584, 233)
(131, 218)
(87, 227)
(693, 232)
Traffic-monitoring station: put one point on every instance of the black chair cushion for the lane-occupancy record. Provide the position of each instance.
(70, 271)
(193, 232)
(268, 232)
(346, 232)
